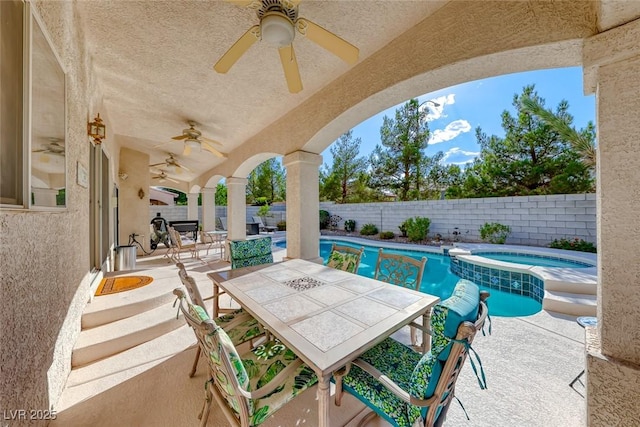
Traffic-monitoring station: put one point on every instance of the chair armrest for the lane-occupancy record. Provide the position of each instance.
(390, 385)
(276, 382)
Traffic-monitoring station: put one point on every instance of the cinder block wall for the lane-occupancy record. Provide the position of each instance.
(534, 220)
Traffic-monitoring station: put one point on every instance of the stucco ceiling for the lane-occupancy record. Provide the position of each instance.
(154, 62)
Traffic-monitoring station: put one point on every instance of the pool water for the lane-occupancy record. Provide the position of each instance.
(537, 260)
(439, 280)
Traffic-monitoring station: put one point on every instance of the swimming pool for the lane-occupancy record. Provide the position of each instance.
(439, 280)
(532, 259)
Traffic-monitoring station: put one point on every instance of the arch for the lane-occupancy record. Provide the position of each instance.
(213, 181)
(251, 163)
(421, 60)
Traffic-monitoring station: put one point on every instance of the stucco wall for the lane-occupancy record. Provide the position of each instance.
(534, 220)
(133, 209)
(44, 256)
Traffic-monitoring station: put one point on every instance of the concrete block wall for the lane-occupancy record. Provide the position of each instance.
(534, 220)
(179, 213)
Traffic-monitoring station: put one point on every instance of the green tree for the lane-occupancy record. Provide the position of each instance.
(221, 195)
(532, 158)
(329, 185)
(267, 180)
(397, 161)
(347, 164)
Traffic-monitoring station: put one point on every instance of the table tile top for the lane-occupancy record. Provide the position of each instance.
(395, 297)
(366, 310)
(292, 307)
(269, 292)
(326, 330)
(330, 294)
(358, 285)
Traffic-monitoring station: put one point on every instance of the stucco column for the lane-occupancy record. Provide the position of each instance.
(236, 208)
(612, 71)
(303, 217)
(208, 209)
(192, 206)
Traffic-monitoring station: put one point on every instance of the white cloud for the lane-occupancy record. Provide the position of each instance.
(458, 156)
(435, 106)
(452, 130)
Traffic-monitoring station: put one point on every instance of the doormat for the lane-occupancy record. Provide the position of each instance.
(113, 285)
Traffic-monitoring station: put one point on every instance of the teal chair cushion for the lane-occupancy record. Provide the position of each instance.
(412, 371)
(247, 253)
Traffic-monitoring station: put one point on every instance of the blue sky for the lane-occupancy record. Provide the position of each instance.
(480, 103)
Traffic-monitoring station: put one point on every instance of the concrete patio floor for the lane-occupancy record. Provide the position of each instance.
(528, 362)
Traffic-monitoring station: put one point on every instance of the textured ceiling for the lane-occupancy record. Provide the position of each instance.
(154, 62)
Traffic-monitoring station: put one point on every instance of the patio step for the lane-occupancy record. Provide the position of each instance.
(573, 281)
(112, 338)
(569, 303)
(88, 381)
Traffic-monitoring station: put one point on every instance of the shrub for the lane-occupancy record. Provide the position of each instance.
(386, 235)
(349, 225)
(264, 210)
(261, 201)
(334, 220)
(575, 244)
(324, 219)
(282, 226)
(369, 230)
(494, 232)
(403, 228)
(417, 228)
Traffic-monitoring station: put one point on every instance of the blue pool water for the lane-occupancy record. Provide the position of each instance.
(439, 280)
(527, 259)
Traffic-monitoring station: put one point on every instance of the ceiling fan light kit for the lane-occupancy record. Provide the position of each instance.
(277, 29)
(278, 24)
(193, 143)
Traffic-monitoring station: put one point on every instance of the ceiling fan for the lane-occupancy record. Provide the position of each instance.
(54, 147)
(172, 164)
(162, 177)
(194, 139)
(278, 22)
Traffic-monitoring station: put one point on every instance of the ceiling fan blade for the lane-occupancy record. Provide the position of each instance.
(187, 150)
(238, 49)
(178, 138)
(42, 150)
(209, 148)
(182, 167)
(329, 41)
(157, 164)
(210, 141)
(244, 3)
(290, 66)
(172, 180)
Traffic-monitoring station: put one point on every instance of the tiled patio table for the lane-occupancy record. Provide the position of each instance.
(328, 317)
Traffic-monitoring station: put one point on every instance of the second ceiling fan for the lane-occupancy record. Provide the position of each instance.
(193, 139)
(278, 24)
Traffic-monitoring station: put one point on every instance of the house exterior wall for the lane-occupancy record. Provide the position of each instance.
(45, 256)
(534, 220)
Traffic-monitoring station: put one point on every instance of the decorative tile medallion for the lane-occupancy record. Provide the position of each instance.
(304, 283)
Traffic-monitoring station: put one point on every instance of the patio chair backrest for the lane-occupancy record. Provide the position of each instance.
(246, 253)
(223, 222)
(400, 270)
(345, 258)
(190, 283)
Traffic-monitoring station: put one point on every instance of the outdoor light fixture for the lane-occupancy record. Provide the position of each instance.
(277, 29)
(194, 144)
(97, 130)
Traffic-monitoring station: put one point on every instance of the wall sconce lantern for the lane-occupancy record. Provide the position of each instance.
(141, 194)
(97, 130)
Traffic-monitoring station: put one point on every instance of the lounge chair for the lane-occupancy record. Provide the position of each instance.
(262, 227)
